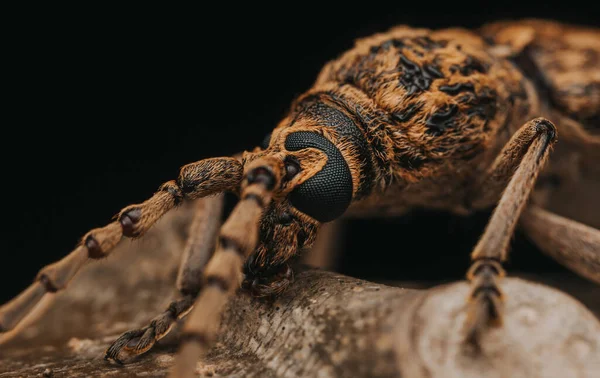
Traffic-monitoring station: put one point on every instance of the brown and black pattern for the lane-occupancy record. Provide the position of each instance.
(444, 119)
(427, 101)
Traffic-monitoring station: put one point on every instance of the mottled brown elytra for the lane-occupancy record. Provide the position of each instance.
(451, 119)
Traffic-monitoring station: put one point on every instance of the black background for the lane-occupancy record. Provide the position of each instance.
(103, 105)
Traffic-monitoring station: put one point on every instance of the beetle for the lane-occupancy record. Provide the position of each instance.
(448, 119)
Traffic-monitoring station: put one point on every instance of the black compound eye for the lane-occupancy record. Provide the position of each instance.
(326, 195)
(266, 141)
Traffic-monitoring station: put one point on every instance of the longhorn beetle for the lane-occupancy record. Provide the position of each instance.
(448, 119)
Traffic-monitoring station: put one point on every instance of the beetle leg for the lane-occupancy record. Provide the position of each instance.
(237, 239)
(518, 164)
(571, 243)
(198, 250)
(196, 180)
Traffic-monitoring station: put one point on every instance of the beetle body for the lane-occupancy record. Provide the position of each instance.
(434, 108)
(423, 112)
(449, 119)
(418, 115)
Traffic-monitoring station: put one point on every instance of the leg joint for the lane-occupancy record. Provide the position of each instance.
(218, 281)
(486, 266)
(93, 248)
(486, 288)
(543, 126)
(262, 175)
(228, 243)
(255, 197)
(173, 189)
(48, 284)
(129, 219)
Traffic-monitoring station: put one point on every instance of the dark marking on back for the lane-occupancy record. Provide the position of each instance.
(407, 113)
(471, 65)
(442, 119)
(414, 78)
(433, 71)
(386, 45)
(428, 44)
(483, 104)
(408, 64)
(457, 88)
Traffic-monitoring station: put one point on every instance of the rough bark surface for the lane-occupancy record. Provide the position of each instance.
(325, 325)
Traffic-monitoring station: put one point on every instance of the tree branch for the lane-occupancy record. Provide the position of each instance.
(325, 325)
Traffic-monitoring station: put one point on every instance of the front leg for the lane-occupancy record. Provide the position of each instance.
(196, 180)
(238, 238)
(525, 155)
(198, 250)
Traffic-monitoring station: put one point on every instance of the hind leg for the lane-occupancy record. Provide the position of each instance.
(198, 250)
(571, 243)
(512, 177)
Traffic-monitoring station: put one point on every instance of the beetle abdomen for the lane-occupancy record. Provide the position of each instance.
(562, 60)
